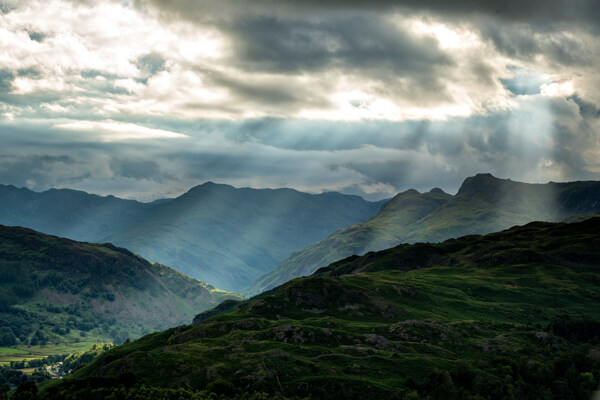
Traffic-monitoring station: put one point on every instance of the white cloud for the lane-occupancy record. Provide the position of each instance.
(117, 131)
(555, 89)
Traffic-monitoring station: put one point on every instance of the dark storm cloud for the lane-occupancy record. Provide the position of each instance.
(361, 42)
(528, 41)
(516, 10)
(275, 91)
(297, 35)
(28, 170)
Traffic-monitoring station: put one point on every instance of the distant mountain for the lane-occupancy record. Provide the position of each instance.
(58, 290)
(483, 204)
(220, 234)
(69, 213)
(512, 314)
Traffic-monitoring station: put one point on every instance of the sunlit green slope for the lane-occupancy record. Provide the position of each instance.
(483, 204)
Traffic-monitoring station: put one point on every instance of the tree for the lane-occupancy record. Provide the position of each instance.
(26, 391)
(7, 337)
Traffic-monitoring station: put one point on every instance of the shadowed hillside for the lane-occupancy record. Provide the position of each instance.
(511, 314)
(58, 290)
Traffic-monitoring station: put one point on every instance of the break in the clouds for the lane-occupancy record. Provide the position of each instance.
(144, 99)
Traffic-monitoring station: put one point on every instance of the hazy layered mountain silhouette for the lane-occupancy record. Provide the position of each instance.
(56, 288)
(220, 234)
(483, 204)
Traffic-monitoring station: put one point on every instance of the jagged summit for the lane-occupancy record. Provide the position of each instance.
(480, 182)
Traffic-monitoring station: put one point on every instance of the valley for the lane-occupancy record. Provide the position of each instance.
(222, 235)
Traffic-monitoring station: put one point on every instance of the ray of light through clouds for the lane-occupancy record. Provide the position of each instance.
(144, 99)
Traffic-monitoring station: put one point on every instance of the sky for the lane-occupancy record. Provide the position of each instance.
(145, 99)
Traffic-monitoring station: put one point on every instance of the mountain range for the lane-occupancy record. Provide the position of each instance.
(56, 290)
(483, 204)
(512, 314)
(223, 235)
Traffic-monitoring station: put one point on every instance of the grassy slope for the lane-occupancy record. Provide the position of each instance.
(483, 204)
(73, 291)
(375, 327)
(383, 230)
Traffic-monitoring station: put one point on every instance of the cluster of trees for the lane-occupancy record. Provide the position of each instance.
(77, 359)
(7, 336)
(142, 392)
(39, 338)
(571, 376)
(576, 330)
(23, 327)
(8, 377)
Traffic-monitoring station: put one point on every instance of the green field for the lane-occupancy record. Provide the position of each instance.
(10, 350)
(25, 353)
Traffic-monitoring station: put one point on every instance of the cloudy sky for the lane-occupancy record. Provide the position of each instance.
(145, 99)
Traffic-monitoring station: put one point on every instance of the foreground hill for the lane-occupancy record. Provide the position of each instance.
(220, 234)
(514, 314)
(483, 204)
(58, 290)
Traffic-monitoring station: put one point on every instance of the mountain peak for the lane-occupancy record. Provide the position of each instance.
(479, 182)
(437, 190)
(410, 192)
(209, 185)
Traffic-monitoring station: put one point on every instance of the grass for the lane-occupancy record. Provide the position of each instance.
(10, 350)
(401, 324)
(27, 371)
(26, 353)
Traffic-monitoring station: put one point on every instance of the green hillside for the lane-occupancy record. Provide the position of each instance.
(483, 204)
(222, 235)
(56, 291)
(514, 314)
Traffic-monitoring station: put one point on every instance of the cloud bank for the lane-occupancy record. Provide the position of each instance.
(145, 99)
